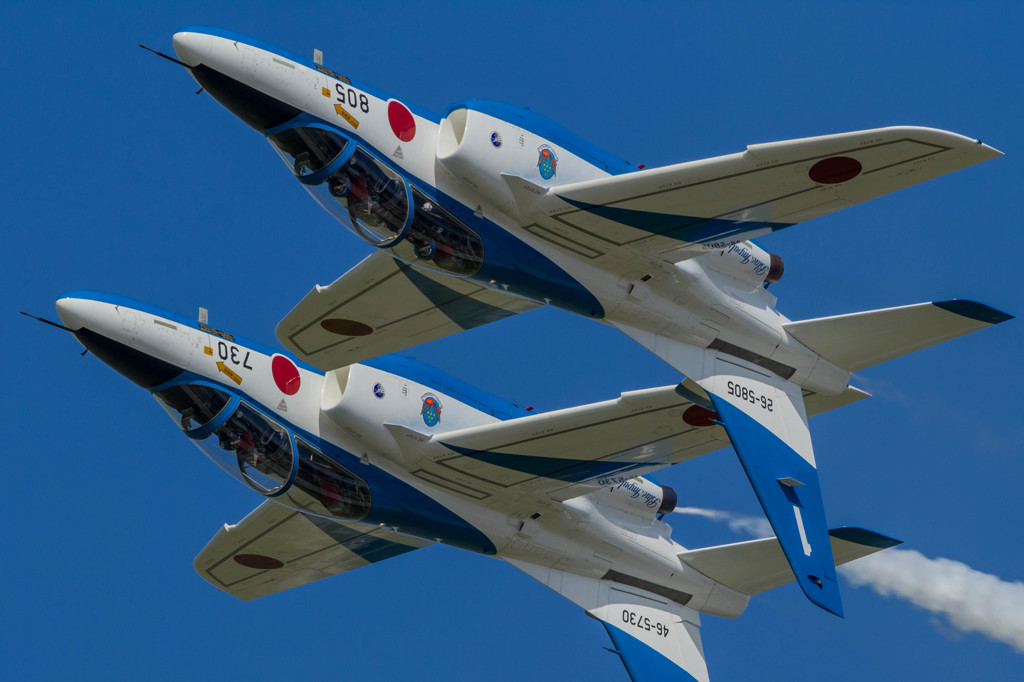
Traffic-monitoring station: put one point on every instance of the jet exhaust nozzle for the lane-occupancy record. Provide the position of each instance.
(669, 500)
(775, 269)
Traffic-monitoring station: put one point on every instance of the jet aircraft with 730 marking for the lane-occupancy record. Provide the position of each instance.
(376, 459)
(491, 210)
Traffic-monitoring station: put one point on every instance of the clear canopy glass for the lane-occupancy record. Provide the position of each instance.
(437, 240)
(259, 452)
(374, 201)
(367, 197)
(325, 488)
(192, 406)
(253, 448)
(307, 150)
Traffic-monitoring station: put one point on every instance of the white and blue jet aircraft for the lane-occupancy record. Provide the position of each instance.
(375, 459)
(491, 210)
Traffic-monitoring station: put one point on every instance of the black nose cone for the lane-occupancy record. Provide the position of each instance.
(257, 109)
(142, 368)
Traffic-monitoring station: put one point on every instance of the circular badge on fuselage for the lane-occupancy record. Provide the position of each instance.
(431, 411)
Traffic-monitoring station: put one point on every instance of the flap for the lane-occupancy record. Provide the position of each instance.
(664, 212)
(275, 548)
(383, 305)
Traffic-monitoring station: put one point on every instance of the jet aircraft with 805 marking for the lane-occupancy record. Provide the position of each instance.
(491, 210)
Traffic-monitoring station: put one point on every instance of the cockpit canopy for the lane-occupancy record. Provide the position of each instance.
(376, 202)
(307, 150)
(263, 454)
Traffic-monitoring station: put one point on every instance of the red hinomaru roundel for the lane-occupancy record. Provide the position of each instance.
(286, 374)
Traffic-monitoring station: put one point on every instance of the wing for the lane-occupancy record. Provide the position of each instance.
(383, 305)
(571, 452)
(674, 212)
(275, 548)
(657, 639)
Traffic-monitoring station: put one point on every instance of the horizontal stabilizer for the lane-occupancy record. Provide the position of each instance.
(759, 565)
(860, 340)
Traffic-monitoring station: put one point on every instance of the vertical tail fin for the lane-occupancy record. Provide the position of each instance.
(657, 639)
(766, 421)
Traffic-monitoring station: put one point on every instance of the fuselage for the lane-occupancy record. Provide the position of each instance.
(436, 192)
(319, 443)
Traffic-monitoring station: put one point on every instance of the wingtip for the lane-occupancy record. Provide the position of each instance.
(992, 152)
(864, 536)
(974, 310)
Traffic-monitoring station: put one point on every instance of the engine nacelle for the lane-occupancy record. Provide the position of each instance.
(639, 497)
(747, 264)
(478, 141)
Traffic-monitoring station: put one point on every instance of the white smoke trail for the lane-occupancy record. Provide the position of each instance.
(971, 600)
(738, 523)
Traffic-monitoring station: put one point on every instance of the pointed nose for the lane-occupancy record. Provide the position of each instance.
(100, 326)
(227, 69)
(73, 312)
(191, 47)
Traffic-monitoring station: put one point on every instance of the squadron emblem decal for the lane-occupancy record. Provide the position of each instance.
(431, 411)
(546, 162)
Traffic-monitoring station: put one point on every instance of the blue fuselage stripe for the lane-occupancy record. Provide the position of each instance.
(689, 229)
(361, 542)
(557, 468)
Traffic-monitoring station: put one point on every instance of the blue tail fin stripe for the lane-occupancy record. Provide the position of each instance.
(643, 663)
(796, 513)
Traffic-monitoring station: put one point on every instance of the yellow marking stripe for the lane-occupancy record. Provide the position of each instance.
(325, 92)
(207, 350)
(345, 115)
(332, 73)
(227, 370)
(211, 330)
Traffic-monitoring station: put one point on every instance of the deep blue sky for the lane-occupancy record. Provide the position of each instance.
(117, 177)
